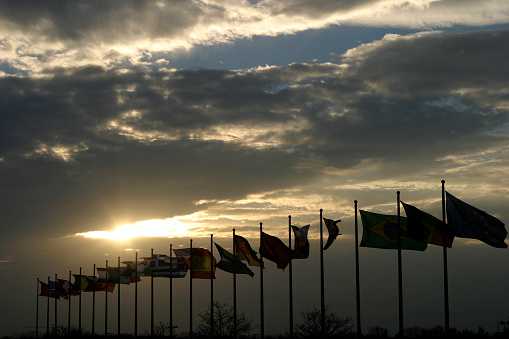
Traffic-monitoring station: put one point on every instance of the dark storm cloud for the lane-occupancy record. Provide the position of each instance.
(337, 115)
(99, 21)
(35, 35)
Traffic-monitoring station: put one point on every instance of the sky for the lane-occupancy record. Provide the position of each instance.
(131, 125)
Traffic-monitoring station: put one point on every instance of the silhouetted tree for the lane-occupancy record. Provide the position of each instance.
(335, 326)
(223, 322)
(377, 332)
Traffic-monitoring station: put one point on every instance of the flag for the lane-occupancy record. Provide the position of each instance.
(301, 247)
(273, 249)
(94, 285)
(183, 255)
(161, 265)
(470, 222)
(140, 266)
(424, 227)
(245, 252)
(48, 290)
(122, 275)
(116, 275)
(383, 231)
(80, 282)
(201, 263)
(229, 264)
(65, 288)
(333, 231)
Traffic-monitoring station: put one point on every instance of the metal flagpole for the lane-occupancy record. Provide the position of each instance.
(446, 278)
(106, 301)
(171, 291)
(262, 320)
(79, 308)
(69, 310)
(400, 275)
(234, 290)
(118, 299)
(56, 285)
(322, 284)
(151, 296)
(47, 312)
(37, 311)
(290, 273)
(136, 298)
(212, 287)
(191, 290)
(357, 284)
(93, 303)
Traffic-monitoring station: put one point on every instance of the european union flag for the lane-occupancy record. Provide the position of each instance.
(470, 222)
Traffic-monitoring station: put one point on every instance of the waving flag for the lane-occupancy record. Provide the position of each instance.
(333, 231)
(229, 264)
(48, 290)
(202, 262)
(383, 231)
(426, 228)
(245, 252)
(162, 265)
(301, 247)
(470, 222)
(273, 249)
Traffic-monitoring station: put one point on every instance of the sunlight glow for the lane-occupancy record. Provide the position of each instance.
(147, 228)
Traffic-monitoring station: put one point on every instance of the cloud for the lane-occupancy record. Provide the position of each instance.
(105, 147)
(38, 35)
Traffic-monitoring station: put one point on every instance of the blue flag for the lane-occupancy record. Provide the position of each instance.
(470, 222)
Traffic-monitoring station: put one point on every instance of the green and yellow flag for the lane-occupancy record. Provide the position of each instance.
(383, 231)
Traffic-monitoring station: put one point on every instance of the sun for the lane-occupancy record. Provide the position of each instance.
(166, 228)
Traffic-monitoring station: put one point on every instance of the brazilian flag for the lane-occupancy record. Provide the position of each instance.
(383, 231)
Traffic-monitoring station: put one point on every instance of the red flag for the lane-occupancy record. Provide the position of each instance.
(273, 249)
(48, 291)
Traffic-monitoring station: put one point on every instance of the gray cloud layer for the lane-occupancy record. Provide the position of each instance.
(35, 35)
(91, 141)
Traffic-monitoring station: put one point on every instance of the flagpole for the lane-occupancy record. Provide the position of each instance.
(357, 284)
(56, 286)
(446, 278)
(322, 284)
(212, 286)
(400, 276)
(79, 308)
(136, 298)
(262, 320)
(118, 297)
(69, 311)
(234, 290)
(191, 290)
(290, 273)
(37, 311)
(93, 303)
(47, 312)
(106, 302)
(152, 296)
(171, 291)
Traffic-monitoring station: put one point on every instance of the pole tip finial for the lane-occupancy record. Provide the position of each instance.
(397, 192)
(355, 201)
(443, 181)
